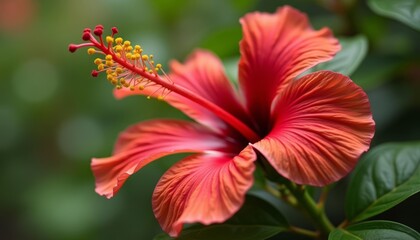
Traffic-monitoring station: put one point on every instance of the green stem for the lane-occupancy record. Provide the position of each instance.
(316, 214)
(324, 194)
(303, 232)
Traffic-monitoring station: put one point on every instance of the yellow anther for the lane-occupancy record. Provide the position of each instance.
(128, 55)
(109, 63)
(122, 81)
(133, 57)
(137, 47)
(118, 48)
(101, 67)
(109, 71)
(114, 81)
(137, 55)
(152, 62)
(91, 51)
(126, 85)
(148, 97)
(141, 87)
(132, 88)
(127, 43)
(129, 48)
(109, 39)
(156, 69)
(145, 57)
(119, 70)
(118, 86)
(118, 55)
(118, 40)
(151, 56)
(160, 98)
(158, 65)
(146, 69)
(108, 57)
(98, 61)
(109, 77)
(150, 71)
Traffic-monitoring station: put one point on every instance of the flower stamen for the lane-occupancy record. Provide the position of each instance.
(126, 66)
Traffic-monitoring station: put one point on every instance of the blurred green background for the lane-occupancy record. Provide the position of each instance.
(54, 117)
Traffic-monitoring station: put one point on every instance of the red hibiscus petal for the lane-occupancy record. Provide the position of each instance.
(148, 141)
(204, 75)
(206, 188)
(322, 124)
(274, 50)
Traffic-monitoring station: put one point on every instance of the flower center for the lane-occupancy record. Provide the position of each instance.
(127, 67)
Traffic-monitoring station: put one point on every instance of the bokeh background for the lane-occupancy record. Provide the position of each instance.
(54, 117)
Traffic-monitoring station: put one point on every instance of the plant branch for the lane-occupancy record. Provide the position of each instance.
(304, 232)
(316, 214)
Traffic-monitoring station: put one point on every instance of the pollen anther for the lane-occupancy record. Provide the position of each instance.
(125, 65)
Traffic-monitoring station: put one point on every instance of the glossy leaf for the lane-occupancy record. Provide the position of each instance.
(406, 11)
(376, 71)
(353, 51)
(384, 177)
(375, 230)
(257, 219)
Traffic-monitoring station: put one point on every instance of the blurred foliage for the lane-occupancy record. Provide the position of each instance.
(54, 117)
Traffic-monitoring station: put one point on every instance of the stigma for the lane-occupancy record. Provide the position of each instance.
(124, 65)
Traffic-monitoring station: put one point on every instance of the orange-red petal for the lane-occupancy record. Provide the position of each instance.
(146, 142)
(206, 188)
(204, 75)
(274, 50)
(322, 124)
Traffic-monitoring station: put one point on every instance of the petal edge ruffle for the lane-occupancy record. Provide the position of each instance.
(145, 142)
(206, 188)
(322, 124)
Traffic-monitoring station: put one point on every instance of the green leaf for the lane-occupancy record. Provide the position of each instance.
(353, 51)
(375, 230)
(230, 37)
(231, 69)
(226, 232)
(256, 220)
(375, 71)
(406, 11)
(385, 176)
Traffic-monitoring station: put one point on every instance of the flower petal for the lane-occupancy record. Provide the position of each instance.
(322, 124)
(206, 188)
(202, 74)
(274, 50)
(148, 141)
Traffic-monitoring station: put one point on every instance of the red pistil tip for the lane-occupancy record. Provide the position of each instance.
(94, 73)
(87, 30)
(72, 48)
(86, 36)
(98, 30)
(114, 30)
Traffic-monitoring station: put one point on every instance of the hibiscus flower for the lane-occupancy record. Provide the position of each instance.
(311, 130)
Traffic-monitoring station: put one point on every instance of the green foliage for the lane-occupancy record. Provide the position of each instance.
(256, 220)
(406, 11)
(386, 176)
(353, 51)
(375, 230)
(375, 72)
(230, 38)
